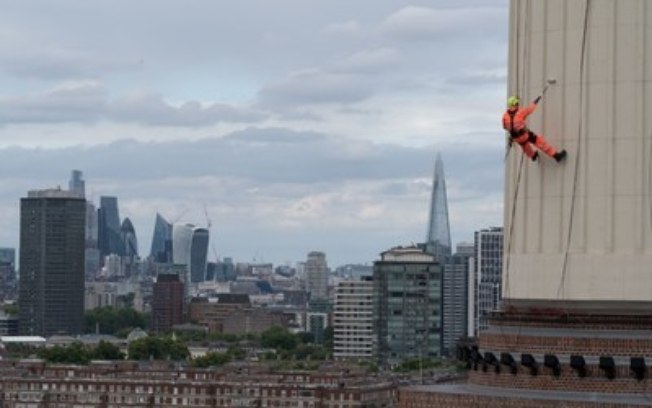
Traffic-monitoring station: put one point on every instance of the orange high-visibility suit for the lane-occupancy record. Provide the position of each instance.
(514, 121)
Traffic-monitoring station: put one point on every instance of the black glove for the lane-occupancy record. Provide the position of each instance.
(536, 101)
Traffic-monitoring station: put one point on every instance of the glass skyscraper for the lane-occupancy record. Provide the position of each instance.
(438, 240)
(190, 248)
(108, 222)
(161, 241)
(128, 238)
(76, 184)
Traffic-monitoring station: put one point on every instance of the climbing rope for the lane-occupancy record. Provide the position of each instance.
(564, 270)
(519, 73)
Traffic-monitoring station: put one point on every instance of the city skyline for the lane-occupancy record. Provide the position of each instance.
(333, 135)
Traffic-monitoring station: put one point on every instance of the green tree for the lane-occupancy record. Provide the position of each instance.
(76, 353)
(107, 351)
(278, 338)
(310, 352)
(306, 337)
(328, 339)
(211, 359)
(158, 348)
(111, 320)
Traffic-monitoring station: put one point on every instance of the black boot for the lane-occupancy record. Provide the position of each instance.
(535, 156)
(559, 156)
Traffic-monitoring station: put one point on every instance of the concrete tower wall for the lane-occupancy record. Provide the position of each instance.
(582, 230)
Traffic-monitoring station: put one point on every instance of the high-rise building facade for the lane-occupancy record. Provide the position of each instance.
(190, 248)
(316, 275)
(108, 221)
(455, 297)
(407, 305)
(161, 240)
(76, 184)
(128, 238)
(52, 241)
(198, 254)
(488, 264)
(353, 319)
(438, 240)
(167, 302)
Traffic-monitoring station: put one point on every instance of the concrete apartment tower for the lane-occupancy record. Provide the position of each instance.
(575, 325)
(51, 299)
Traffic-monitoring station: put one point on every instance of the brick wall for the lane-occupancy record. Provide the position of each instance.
(425, 399)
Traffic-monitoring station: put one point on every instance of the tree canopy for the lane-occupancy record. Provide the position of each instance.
(111, 320)
(158, 348)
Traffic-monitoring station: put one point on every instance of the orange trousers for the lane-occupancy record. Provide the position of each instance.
(528, 138)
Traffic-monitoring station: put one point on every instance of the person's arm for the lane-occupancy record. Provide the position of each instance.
(529, 109)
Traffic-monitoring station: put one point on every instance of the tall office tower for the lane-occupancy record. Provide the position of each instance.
(316, 275)
(198, 254)
(190, 248)
(167, 302)
(353, 320)
(76, 184)
(51, 296)
(455, 294)
(161, 240)
(488, 264)
(108, 222)
(438, 241)
(407, 305)
(92, 263)
(128, 238)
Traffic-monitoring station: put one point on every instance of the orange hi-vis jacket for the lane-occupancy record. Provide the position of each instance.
(514, 120)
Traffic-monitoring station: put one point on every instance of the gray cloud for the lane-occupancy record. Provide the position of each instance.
(317, 87)
(69, 102)
(423, 23)
(87, 101)
(264, 155)
(151, 109)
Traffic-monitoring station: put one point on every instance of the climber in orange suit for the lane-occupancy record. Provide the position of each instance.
(514, 121)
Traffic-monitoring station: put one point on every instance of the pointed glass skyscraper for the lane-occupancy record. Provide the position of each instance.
(438, 241)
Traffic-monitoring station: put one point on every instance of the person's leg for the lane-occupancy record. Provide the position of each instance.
(542, 144)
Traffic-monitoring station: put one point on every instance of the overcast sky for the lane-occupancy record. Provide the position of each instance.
(299, 125)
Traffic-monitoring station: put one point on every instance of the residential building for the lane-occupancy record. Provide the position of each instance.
(253, 320)
(52, 241)
(455, 294)
(211, 312)
(353, 320)
(32, 383)
(407, 305)
(100, 294)
(316, 275)
(167, 303)
(488, 264)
